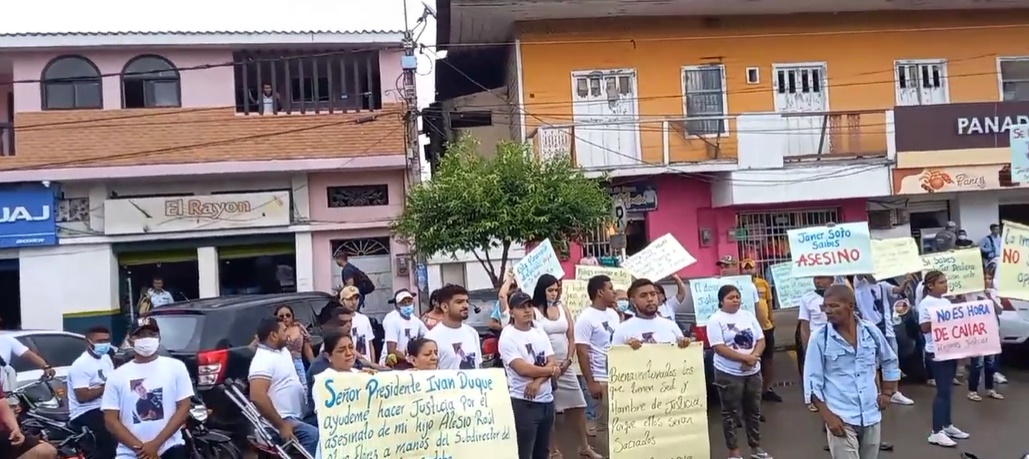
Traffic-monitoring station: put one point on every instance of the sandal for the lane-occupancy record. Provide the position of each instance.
(555, 455)
(974, 396)
(588, 453)
(812, 408)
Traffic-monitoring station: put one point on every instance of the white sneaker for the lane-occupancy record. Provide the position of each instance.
(955, 433)
(999, 378)
(941, 439)
(900, 399)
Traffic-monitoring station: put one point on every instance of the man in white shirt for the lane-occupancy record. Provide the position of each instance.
(456, 341)
(811, 316)
(146, 401)
(361, 329)
(647, 326)
(87, 378)
(10, 348)
(400, 326)
(593, 332)
(276, 390)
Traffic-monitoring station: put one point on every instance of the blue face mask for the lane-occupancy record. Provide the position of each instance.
(101, 348)
(623, 305)
(406, 311)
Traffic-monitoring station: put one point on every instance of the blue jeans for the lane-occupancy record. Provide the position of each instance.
(307, 435)
(985, 366)
(944, 372)
(591, 414)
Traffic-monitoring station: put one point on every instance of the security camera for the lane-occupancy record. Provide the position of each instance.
(46, 183)
(431, 10)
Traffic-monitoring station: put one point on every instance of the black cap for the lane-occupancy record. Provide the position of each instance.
(145, 323)
(519, 299)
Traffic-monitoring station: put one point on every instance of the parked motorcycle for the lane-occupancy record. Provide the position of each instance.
(203, 443)
(39, 411)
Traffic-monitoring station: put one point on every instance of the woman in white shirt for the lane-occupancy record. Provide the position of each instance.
(529, 364)
(985, 365)
(554, 320)
(738, 341)
(943, 433)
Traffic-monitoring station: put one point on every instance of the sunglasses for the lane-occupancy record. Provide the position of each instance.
(285, 316)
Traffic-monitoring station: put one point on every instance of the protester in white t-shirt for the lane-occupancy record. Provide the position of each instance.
(400, 325)
(669, 305)
(529, 364)
(361, 329)
(737, 339)
(593, 332)
(10, 348)
(87, 377)
(943, 371)
(646, 326)
(147, 400)
(457, 342)
(276, 390)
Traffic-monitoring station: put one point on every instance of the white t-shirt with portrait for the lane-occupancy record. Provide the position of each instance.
(86, 372)
(654, 330)
(739, 331)
(285, 390)
(458, 347)
(811, 311)
(534, 348)
(596, 328)
(363, 334)
(145, 396)
(400, 330)
(924, 318)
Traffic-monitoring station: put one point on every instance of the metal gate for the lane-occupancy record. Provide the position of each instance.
(761, 236)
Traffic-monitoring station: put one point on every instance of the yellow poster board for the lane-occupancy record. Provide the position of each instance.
(575, 298)
(1013, 269)
(658, 402)
(620, 278)
(895, 257)
(963, 268)
(404, 414)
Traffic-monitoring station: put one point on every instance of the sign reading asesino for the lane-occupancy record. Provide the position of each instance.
(831, 250)
(27, 217)
(192, 213)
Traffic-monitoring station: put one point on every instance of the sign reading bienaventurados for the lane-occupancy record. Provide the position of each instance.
(658, 402)
(402, 414)
(836, 250)
(196, 213)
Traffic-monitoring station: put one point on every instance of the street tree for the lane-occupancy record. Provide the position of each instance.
(475, 203)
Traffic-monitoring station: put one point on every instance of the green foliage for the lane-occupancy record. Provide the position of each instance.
(475, 203)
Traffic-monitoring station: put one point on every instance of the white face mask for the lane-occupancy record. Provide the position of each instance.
(145, 347)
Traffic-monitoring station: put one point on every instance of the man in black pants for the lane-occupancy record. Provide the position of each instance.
(87, 378)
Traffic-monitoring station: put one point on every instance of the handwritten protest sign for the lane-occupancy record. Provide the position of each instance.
(541, 260)
(658, 402)
(662, 258)
(705, 294)
(575, 298)
(1013, 270)
(789, 289)
(433, 414)
(620, 278)
(895, 257)
(963, 268)
(831, 251)
(965, 330)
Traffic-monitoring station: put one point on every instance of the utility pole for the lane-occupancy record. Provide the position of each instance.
(409, 65)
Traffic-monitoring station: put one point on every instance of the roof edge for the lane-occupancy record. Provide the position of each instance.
(215, 38)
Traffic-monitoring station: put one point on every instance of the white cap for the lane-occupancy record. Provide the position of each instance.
(401, 296)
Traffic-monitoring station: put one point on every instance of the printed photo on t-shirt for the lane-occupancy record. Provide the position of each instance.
(100, 374)
(149, 404)
(648, 337)
(538, 358)
(467, 360)
(360, 343)
(610, 330)
(744, 338)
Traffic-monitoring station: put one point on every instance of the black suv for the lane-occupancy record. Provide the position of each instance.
(212, 337)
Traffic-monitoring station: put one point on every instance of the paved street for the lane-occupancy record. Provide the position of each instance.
(997, 427)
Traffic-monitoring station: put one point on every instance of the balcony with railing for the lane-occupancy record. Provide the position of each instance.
(272, 82)
(773, 138)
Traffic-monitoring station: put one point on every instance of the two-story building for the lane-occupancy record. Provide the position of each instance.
(729, 122)
(220, 162)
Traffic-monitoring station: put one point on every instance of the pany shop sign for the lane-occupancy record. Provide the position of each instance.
(196, 213)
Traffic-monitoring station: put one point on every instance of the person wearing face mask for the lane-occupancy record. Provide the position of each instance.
(146, 401)
(276, 390)
(400, 326)
(622, 305)
(963, 240)
(87, 377)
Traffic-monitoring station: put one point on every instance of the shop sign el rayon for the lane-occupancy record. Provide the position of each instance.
(196, 213)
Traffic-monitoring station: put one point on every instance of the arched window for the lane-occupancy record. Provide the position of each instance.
(71, 82)
(150, 82)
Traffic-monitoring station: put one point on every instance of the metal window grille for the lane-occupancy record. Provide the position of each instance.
(597, 243)
(761, 236)
(703, 94)
(1014, 76)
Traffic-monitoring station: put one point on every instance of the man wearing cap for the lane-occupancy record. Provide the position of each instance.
(400, 325)
(457, 342)
(361, 330)
(763, 311)
(146, 401)
(946, 239)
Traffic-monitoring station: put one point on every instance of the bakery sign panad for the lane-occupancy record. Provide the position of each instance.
(196, 213)
(952, 179)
